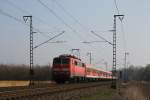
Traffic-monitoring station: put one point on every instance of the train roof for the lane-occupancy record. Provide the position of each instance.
(68, 56)
(99, 69)
(88, 66)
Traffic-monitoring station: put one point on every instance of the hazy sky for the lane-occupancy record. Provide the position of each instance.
(77, 18)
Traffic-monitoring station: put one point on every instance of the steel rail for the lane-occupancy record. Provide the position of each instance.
(47, 90)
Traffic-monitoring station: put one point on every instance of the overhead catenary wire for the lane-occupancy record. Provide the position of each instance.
(38, 19)
(12, 17)
(122, 26)
(11, 3)
(101, 37)
(62, 8)
(122, 29)
(72, 17)
(88, 42)
(25, 11)
(116, 6)
(21, 21)
(118, 11)
(48, 40)
(15, 18)
(60, 19)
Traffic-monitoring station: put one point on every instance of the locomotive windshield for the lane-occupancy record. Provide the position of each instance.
(61, 61)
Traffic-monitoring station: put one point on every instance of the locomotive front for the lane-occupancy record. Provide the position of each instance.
(61, 69)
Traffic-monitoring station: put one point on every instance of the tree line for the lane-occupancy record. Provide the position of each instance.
(21, 72)
(138, 73)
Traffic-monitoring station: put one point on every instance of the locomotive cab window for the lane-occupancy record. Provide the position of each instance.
(83, 65)
(57, 61)
(61, 61)
(76, 63)
(65, 61)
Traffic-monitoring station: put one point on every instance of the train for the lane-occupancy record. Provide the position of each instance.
(69, 68)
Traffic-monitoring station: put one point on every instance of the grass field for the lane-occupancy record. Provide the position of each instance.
(135, 91)
(104, 94)
(130, 91)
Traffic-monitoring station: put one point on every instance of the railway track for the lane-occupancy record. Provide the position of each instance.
(45, 93)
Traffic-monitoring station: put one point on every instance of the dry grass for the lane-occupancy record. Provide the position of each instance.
(8, 83)
(103, 94)
(13, 83)
(134, 91)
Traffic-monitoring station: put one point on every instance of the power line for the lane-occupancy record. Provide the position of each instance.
(48, 40)
(101, 37)
(12, 17)
(62, 8)
(69, 14)
(20, 21)
(58, 41)
(88, 42)
(17, 7)
(122, 26)
(72, 17)
(118, 11)
(59, 18)
(23, 10)
(116, 5)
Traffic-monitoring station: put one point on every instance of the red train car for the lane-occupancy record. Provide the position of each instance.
(68, 68)
(71, 68)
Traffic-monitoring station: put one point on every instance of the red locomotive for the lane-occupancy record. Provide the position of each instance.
(71, 68)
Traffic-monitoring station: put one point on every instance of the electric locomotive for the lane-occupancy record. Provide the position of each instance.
(68, 68)
(72, 69)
